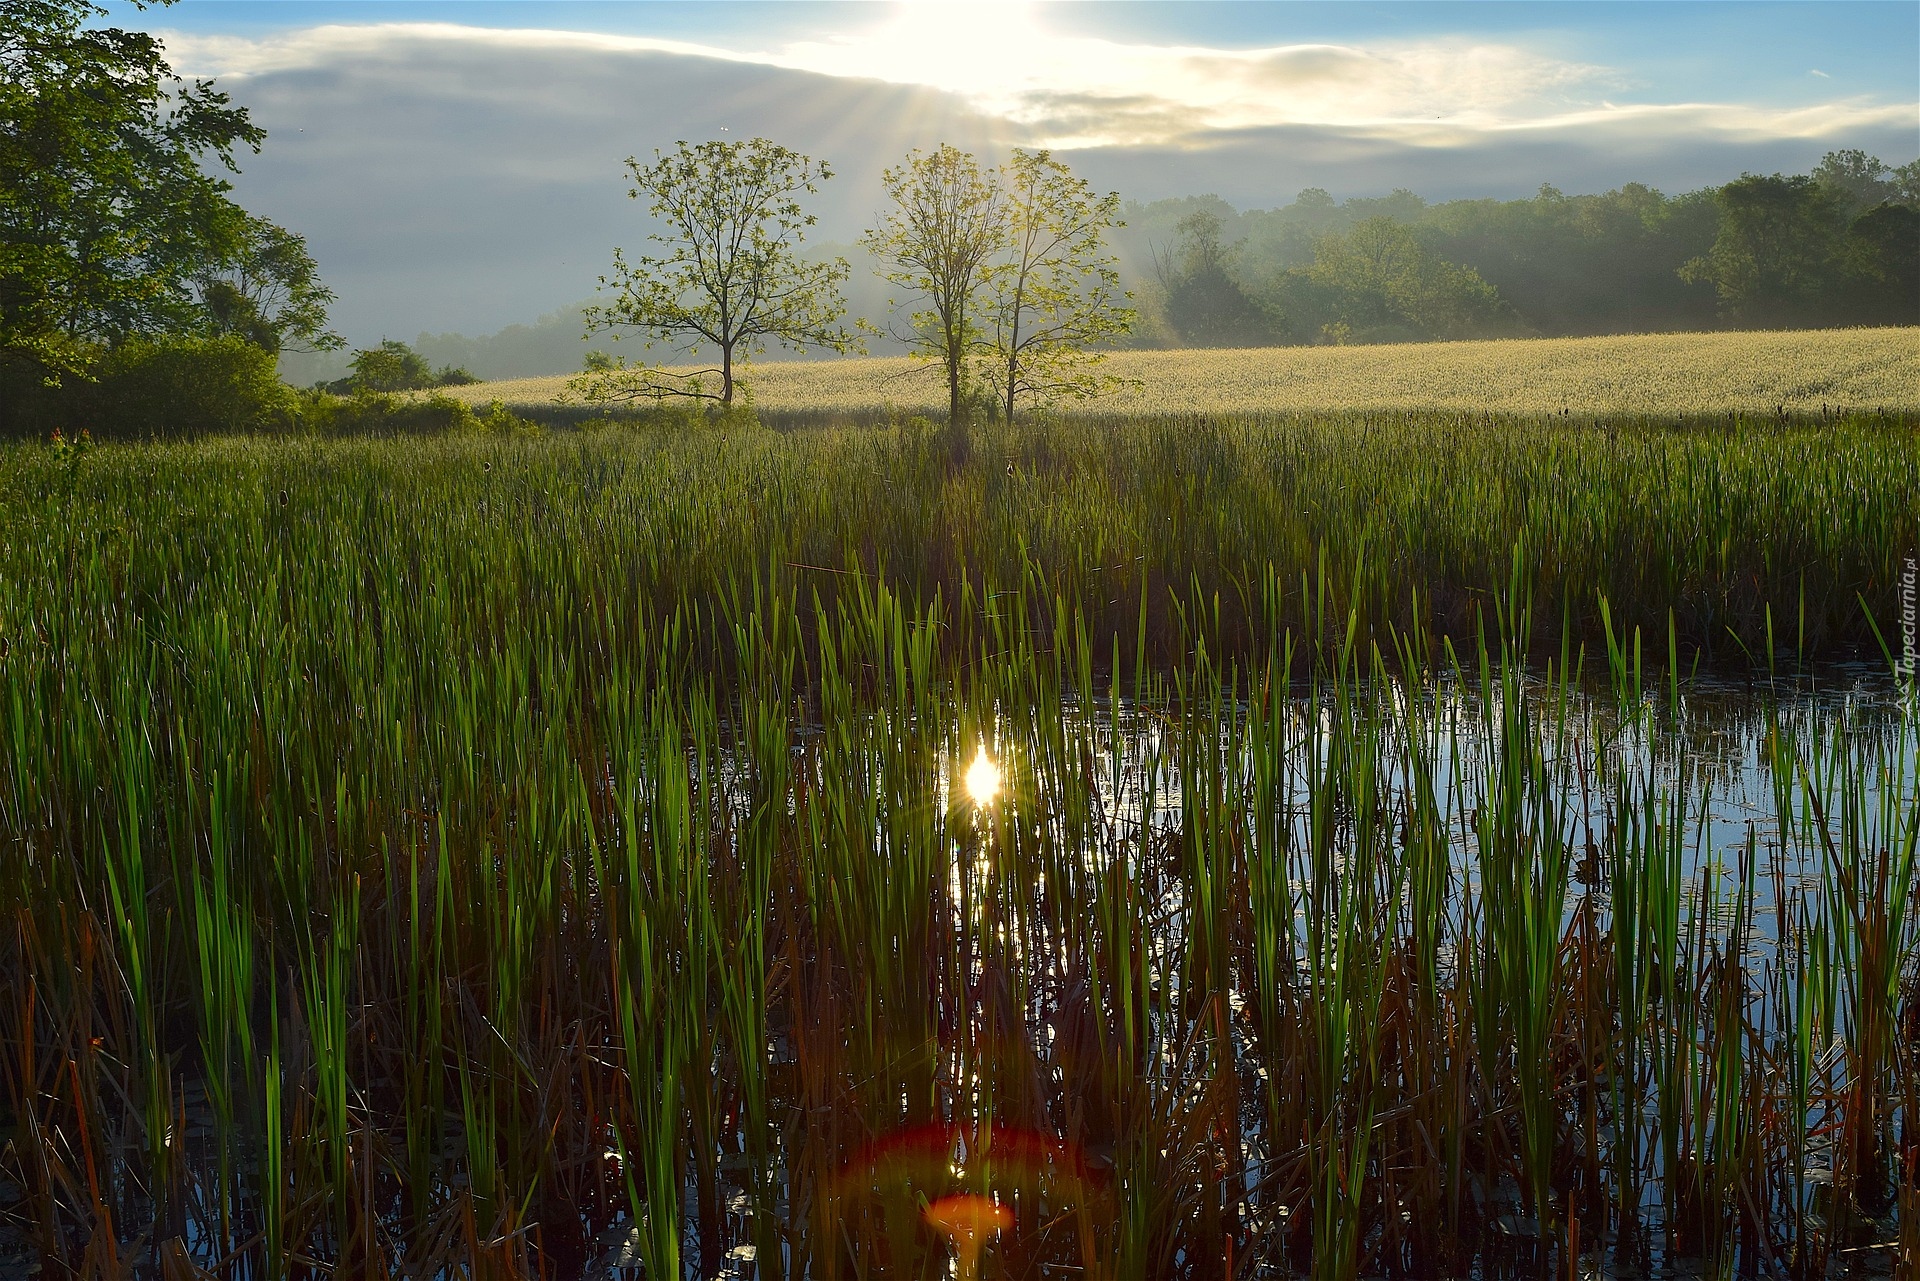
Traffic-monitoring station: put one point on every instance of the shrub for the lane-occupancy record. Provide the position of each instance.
(380, 414)
(182, 386)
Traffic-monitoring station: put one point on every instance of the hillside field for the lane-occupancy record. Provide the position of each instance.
(1640, 373)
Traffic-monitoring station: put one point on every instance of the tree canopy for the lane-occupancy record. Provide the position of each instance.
(114, 222)
(938, 240)
(1827, 247)
(1204, 302)
(266, 289)
(1381, 279)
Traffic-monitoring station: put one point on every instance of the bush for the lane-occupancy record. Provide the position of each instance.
(394, 366)
(182, 386)
(380, 414)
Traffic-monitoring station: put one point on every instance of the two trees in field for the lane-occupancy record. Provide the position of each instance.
(1015, 285)
(1019, 289)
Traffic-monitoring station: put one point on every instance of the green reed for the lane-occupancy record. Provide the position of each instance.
(536, 849)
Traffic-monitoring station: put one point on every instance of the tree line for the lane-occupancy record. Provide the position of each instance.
(1838, 246)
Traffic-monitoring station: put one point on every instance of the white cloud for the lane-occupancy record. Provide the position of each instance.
(208, 54)
(1000, 59)
(1080, 91)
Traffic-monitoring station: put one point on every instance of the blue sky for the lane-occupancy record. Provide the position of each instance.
(458, 165)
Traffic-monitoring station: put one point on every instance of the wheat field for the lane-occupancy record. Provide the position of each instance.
(1640, 373)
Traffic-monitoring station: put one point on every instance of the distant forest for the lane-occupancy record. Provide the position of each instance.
(1838, 246)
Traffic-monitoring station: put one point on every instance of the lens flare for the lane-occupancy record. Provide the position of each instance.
(969, 1222)
(983, 778)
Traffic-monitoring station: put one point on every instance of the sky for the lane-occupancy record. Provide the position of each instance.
(460, 166)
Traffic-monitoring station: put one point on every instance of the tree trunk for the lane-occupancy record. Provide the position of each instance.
(958, 446)
(1013, 341)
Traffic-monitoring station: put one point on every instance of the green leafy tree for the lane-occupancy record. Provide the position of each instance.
(1390, 285)
(1057, 296)
(948, 223)
(1602, 263)
(107, 200)
(1860, 181)
(1204, 303)
(1880, 256)
(390, 367)
(732, 277)
(1772, 260)
(267, 290)
(1904, 184)
(185, 385)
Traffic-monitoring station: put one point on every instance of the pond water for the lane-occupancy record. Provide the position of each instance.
(1350, 979)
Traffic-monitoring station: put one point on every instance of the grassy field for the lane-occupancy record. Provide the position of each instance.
(1658, 374)
(486, 855)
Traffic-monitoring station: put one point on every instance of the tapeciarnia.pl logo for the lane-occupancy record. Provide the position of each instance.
(1909, 634)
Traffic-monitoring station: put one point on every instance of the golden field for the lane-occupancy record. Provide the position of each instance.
(1639, 373)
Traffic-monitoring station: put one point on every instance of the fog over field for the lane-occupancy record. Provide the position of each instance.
(455, 170)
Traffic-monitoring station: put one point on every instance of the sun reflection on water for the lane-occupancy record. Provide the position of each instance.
(983, 778)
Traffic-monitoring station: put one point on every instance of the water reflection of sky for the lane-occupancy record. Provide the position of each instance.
(1729, 760)
(1117, 781)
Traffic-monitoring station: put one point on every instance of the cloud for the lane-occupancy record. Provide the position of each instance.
(1002, 61)
(997, 61)
(457, 179)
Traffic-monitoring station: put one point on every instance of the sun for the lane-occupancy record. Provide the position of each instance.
(979, 50)
(964, 47)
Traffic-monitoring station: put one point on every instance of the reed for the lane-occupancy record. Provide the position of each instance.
(503, 855)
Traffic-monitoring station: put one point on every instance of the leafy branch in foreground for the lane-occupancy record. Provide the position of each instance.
(732, 277)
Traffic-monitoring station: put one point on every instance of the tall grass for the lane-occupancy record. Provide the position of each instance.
(495, 856)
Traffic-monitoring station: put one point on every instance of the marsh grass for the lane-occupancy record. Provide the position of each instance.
(507, 854)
